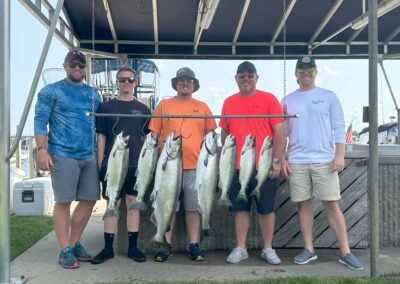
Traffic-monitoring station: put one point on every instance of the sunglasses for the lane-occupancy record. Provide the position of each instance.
(243, 75)
(73, 65)
(185, 80)
(302, 70)
(125, 79)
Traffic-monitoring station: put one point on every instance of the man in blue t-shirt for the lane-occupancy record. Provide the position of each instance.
(68, 149)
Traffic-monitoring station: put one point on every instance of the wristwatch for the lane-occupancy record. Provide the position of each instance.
(277, 161)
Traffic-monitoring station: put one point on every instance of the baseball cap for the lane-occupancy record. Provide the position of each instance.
(305, 62)
(246, 65)
(74, 54)
(185, 72)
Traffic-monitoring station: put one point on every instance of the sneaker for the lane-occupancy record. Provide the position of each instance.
(136, 255)
(163, 255)
(67, 258)
(351, 261)
(237, 255)
(305, 257)
(270, 256)
(102, 256)
(195, 253)
(81, 253)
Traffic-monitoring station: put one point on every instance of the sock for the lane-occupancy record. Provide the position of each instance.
(132, 240)
(108, 240)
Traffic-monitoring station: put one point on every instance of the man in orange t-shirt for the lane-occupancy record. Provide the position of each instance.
(193, 132)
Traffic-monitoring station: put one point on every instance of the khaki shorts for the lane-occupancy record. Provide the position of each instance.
(318, 179)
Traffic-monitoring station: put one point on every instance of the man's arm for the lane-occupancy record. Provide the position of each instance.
(278, 149)
(44, 160)
(101, 145)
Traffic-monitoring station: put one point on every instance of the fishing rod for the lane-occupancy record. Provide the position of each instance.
(190, 116)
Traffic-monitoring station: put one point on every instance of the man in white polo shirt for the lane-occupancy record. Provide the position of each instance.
(315, 155)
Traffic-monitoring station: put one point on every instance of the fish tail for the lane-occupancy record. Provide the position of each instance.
(224, 201)
(138, 205)
(111, 212)
(241, 196)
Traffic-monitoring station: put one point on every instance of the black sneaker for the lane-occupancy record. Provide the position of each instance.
(164, 254)
(195, 253)
(81, 254)
(136, 255)
(102, 256)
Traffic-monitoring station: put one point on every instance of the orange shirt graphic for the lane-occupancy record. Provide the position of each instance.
(192, 130)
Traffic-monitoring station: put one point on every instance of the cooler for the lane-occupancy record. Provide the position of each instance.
(33, 197)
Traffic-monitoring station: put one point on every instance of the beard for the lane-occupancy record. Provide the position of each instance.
(76, 78)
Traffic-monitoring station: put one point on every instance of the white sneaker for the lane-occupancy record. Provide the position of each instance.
(237, 255)
(270, 256)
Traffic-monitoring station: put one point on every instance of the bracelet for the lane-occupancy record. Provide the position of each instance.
(40, 148)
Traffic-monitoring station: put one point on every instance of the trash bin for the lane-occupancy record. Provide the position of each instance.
(33, 197)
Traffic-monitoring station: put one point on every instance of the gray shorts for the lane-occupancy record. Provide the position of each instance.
(74, 179)
(190, 199)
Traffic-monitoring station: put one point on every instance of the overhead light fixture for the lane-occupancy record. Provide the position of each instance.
(383, 8)
(209, 12)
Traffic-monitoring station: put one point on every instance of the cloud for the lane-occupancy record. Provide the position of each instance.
(217, 94)
(328, 70)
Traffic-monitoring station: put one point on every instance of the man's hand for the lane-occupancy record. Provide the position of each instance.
(286, 169)
(44, 160)
(275, 170)
(337, 164)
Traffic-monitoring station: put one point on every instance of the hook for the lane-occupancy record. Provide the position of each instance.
(180, 130)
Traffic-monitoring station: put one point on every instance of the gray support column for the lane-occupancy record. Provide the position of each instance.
(36, 78)
(373, 166)
(4, 141)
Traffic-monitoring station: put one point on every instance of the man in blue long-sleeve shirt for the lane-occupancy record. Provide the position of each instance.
(315, 155)
(66, 144)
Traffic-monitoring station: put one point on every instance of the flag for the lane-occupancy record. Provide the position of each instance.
(349, 135)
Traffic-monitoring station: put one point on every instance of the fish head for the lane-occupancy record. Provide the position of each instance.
(267, 142)
(121, 142)
(211, 142)
(250, 141)
(230, 141)
(173, 145)
(151, 140)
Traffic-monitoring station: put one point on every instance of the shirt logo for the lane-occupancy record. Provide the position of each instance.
(317, 102)
(136, 112)
(195, 110)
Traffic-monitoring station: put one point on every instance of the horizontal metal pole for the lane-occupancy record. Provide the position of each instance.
(188, 116)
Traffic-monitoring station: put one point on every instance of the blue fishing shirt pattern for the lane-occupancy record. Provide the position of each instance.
(63, 107)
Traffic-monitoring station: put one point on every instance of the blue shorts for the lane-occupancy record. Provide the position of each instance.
(265, 205)
(127, 188)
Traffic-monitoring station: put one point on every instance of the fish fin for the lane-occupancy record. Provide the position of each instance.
(153, 195)
(144, 153)
(206, 161)
(164, 164)
(257, 194)
(153, 219)
(136, 173)
(138, 205)
(106, 176)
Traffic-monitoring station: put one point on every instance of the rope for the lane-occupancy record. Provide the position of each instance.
(93, 122)
(284, 59)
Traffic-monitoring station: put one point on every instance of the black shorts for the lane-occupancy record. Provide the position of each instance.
(127, 188)
(265, 205)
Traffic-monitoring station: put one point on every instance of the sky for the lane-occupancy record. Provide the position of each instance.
(347, 78)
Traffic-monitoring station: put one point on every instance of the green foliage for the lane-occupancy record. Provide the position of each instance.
(26, 231)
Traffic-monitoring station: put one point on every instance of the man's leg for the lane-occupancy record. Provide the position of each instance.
(242, 224)
(306, 221)
(133, 222)
(338, 224)
(193, 225)
(79, 219)
(267, 226)
(61, 220)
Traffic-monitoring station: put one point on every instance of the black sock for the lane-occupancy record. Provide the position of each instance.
(132, 240)
(108, 240)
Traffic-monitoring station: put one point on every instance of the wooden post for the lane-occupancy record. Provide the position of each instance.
(31, 147)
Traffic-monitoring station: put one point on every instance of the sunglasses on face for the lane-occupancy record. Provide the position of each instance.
(124, 79)
(244, 75)
(185, 80)
(74, 64)
(302, 70)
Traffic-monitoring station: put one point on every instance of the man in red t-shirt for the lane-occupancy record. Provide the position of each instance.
(250, 101)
